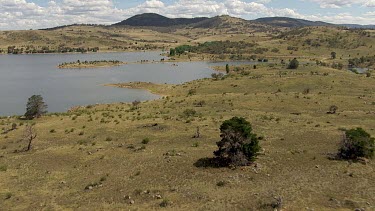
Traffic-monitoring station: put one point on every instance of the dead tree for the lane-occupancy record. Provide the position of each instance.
(29, 135)
(136, 103)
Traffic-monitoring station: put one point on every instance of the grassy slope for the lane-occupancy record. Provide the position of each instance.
(54, 174)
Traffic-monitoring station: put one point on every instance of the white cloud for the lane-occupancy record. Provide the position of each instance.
(343, 3)
(370, 14)
(21, 14)
(370, 3)
(263, 1)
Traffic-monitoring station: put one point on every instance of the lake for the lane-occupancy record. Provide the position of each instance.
(359, 70)
(26, 75)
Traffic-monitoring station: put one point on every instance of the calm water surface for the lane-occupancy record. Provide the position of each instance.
(24, 75)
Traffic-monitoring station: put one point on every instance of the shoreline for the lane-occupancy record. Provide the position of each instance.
(73, 53)
(153, 88)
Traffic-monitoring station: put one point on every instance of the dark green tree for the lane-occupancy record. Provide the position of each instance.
(227, 68)
(238, 146)
(293, 64)
(35, 107)
(172, 52)
(333, 55)
(355, 144)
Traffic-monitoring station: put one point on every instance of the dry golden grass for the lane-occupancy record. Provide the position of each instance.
(298, 137)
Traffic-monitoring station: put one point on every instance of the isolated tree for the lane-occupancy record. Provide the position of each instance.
(333, 55)
(227, 68)
(238, 146)
(293, 64)
(35, 107)
(357, 143)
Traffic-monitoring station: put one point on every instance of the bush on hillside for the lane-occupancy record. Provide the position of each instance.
(238, 146)
(355, 144)
(293, 64)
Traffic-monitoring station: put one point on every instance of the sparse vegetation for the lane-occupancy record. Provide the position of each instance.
(145, 141)
(332, 109)
(221, 183)
(217, 47)
(165, 203)
(3, 168)
(364, 61)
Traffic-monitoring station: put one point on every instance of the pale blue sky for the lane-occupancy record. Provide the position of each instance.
(25, 14)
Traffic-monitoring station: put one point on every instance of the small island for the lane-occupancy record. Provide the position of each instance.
(90, 64)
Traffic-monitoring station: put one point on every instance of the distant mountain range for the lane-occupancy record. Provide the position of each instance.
(156, 20)
(290, 22)
(152, 19)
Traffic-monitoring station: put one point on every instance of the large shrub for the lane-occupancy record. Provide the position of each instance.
(238, 146)
(293, 64)
(356, 143)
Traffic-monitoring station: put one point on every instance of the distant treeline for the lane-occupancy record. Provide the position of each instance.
(45, 49)
(218, 47)
(64, 26)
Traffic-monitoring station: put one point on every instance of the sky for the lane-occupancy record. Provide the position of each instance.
(36, 14)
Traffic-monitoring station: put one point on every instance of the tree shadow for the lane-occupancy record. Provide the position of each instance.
(211, 163)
